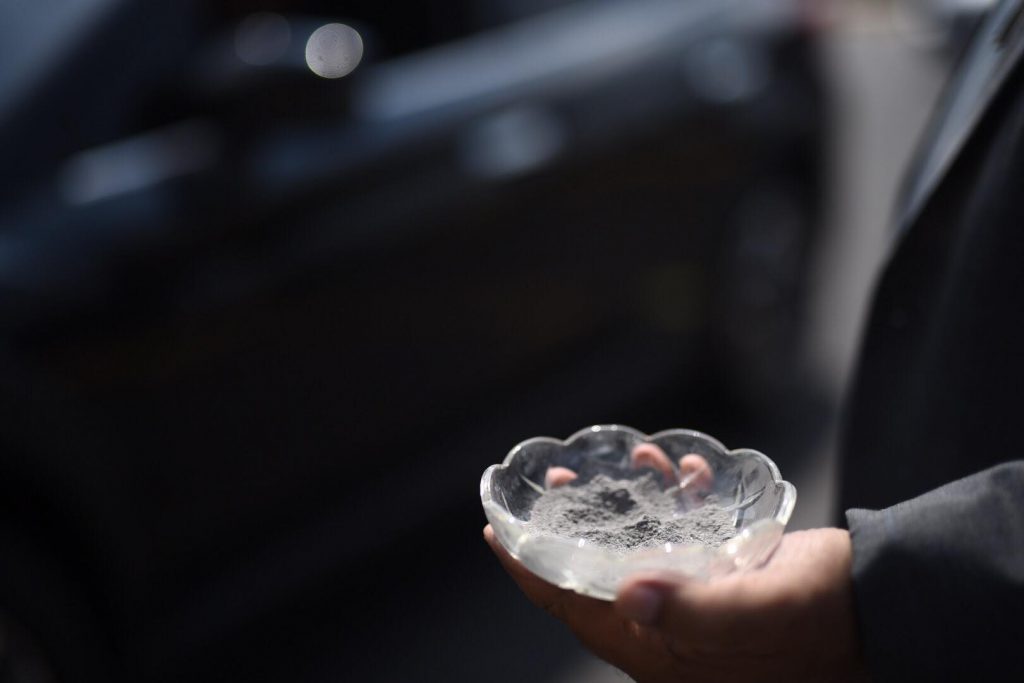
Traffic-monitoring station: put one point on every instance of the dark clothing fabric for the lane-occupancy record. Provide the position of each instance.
(940, 388)
(940, 581)
(939, 394)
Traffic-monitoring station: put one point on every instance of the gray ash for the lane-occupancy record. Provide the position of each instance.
(629, 514)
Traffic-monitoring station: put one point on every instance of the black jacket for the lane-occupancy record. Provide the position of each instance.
(939, 394)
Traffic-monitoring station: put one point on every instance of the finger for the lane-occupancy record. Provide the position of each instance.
(650, 455)
(695, 473)
(558, 476)
(570, 607)
(701, 614)
(593, 621)
(540, 592)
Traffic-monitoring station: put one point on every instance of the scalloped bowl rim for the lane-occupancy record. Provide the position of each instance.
(780, 518)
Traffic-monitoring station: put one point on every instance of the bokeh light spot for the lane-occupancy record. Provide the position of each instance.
(262, 38)
(334, 50)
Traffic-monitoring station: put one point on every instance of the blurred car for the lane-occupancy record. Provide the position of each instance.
(262, 329)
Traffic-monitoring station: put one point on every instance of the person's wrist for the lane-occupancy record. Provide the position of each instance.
(849, 656)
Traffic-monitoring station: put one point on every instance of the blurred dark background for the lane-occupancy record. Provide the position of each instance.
(278, 280)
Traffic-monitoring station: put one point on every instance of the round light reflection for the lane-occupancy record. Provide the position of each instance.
(334, 50)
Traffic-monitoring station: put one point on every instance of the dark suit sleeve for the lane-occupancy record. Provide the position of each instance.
(939, 581)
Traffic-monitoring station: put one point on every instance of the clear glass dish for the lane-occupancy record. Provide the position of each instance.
(744, 481)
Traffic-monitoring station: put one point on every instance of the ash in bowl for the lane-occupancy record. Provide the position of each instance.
(548, 495)
(629, 514)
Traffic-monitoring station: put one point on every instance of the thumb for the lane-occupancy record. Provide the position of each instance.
(685, 607)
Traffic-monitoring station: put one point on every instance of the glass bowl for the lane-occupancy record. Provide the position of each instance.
(745, 482)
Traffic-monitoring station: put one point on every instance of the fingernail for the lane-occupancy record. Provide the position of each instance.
(641, 604)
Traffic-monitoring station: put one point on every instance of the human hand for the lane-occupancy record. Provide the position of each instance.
(792, 619)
